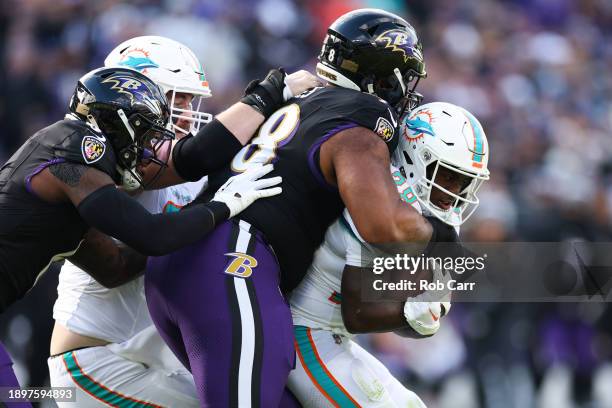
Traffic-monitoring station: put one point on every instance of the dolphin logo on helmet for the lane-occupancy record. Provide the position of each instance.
(138, 63)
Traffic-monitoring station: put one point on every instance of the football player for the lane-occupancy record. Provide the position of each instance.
(104, 341)
(63, 180)
(438, 167)
(332, 147)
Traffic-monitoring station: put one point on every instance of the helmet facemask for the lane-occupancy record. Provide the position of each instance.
(462, 204)
(150, 146)
(186, 112)
(399, 90)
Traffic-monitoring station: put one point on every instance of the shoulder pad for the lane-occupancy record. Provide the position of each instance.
(83, 145)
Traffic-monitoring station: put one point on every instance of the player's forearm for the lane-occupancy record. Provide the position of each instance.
(376, 317)
(217, 142)
(215, 145)
(109, 262)
(371, 317)
(242, 121)
(404, 225)
(360, 316)
(407, 225)
(194, 157)
(150, 234)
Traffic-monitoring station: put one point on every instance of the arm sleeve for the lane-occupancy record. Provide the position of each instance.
(118, 215)
(213, 147)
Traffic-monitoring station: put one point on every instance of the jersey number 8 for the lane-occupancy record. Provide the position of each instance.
(276, 132)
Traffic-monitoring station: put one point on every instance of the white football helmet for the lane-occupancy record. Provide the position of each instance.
(174, 67)
(438, 135)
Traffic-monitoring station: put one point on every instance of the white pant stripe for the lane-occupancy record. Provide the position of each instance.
(247, 350)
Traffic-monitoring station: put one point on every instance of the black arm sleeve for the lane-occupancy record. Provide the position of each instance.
(213, 147)
(116, 214)
(444, 240)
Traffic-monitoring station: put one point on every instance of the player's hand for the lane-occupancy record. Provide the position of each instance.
(242, 190)
(299, 82)
(424, 317)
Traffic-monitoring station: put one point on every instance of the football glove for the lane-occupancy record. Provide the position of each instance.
(242, 190)
(424, 317)
(268, 95)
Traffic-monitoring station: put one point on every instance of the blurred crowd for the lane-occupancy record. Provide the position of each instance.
(535, 72)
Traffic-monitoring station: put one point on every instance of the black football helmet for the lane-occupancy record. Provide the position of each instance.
(131, 111)
(374, 51)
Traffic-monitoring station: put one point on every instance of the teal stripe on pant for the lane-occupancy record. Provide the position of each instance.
(314, 366)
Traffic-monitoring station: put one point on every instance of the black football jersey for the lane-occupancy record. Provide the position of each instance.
(34, 233)
(294, 222)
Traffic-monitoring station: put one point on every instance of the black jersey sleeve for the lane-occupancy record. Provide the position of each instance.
(375, 114)
(84, 146)
(116, 214)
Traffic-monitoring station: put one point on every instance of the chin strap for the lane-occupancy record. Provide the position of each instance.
(126, 123)
(398, 74)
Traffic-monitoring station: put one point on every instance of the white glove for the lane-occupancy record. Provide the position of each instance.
(424, 317)
(242, 190)
(423, 314)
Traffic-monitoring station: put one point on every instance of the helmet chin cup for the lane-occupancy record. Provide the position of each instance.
(126, 166)
(129, 181)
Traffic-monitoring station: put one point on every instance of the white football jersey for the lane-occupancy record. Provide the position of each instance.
(315, 302)
(115, 315)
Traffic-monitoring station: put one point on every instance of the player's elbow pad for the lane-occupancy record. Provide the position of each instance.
(118, 215)
(212, 148)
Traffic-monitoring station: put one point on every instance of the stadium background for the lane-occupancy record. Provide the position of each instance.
(535, 72)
